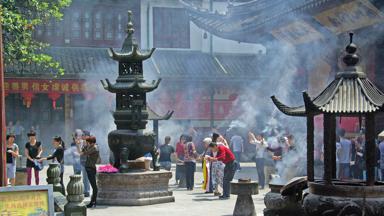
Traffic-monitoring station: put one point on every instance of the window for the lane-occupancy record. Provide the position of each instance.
(87, 25)
(171, 28)
(98, 27)
(75, 25)
(120, 27)
(108, 27)
(49, 28)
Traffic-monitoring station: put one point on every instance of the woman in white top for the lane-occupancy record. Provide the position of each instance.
(261, 146)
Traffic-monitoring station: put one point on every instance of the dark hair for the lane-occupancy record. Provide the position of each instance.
(215, 136)
(188, 138)
(31, 133)
(167, 138)
(10, 135)
(91, 139)
(86, 133)
(342, 132)
(212, 145)
(59, 140)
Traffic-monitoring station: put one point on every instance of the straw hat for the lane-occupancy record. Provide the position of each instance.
(381, 135)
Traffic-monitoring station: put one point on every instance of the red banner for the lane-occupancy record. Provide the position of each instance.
(60, 86)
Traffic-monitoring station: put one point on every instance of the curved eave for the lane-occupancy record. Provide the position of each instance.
(134, 56)
(375, 95)
(134, 87)
(258, 25)
(152, 115)
(347, 96)
(291, 111)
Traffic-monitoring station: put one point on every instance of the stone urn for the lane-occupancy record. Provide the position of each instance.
(75, 197)
(53, 177)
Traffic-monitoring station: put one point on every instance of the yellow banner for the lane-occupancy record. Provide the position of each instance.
(350, 16)
(297, 32)
(24, 203)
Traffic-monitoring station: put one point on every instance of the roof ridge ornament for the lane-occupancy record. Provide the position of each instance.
(130, 51)
(130, 40)
(351, 59)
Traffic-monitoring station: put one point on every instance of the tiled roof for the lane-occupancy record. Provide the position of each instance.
(357, 95)
(341, 96)
(185, 64)
(249, 22)
(351, 92)
(74, 60)
(170, 64)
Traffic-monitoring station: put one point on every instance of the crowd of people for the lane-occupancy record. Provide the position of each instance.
(83, 150)
(351, 156)
(220, 160)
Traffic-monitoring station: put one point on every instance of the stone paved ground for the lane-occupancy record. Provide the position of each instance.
(188, 203)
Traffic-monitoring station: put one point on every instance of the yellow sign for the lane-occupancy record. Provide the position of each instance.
(297, 32)
(350, 16)
(24, 203)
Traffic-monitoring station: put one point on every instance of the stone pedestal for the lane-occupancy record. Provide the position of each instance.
(134, 188)
(244, 203)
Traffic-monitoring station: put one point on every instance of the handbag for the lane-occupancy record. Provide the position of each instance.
(38, 166)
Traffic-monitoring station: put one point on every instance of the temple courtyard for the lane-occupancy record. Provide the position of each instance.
(188, 203)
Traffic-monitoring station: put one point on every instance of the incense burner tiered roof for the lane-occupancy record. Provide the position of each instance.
(130, 87)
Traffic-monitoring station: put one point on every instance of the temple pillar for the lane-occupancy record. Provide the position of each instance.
(156, 131)
(370, 148)
(327, 149)
(212, 107)
(332, 131)
(310, 147)
(68, 116)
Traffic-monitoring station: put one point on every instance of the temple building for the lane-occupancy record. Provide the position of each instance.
(200, 82)
(207, 52)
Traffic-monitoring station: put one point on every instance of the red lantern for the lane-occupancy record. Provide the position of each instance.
(27, 98)
(54, 97)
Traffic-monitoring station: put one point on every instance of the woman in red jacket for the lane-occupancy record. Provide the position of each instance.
(224, 155)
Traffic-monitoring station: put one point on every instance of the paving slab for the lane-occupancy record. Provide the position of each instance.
(187, 203)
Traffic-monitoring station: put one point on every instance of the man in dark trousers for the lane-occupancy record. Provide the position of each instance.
(225, 155)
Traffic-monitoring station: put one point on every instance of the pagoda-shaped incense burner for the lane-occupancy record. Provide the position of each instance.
(129, 142)
(132, 186)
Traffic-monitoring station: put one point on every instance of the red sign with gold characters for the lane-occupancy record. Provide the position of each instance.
(61, 86)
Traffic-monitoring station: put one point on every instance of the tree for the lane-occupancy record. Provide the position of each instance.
(19, 19)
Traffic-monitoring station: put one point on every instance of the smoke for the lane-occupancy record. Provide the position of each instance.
(95, 108)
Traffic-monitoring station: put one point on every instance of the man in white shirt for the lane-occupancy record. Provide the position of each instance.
(237, 144)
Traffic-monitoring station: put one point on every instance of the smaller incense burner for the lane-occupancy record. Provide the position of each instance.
(350, 94)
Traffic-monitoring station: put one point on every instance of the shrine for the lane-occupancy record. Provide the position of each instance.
(351, 93)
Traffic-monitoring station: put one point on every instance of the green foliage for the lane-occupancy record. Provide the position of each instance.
(19, 18)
